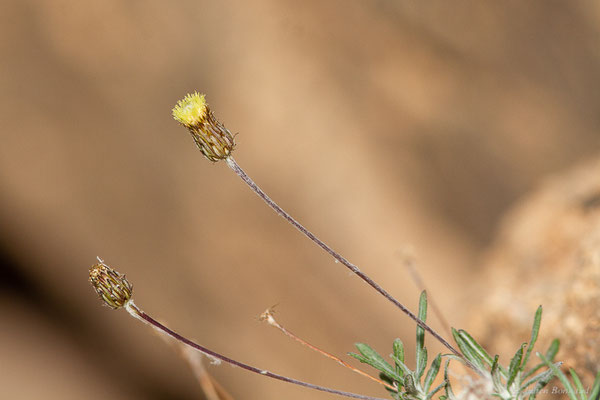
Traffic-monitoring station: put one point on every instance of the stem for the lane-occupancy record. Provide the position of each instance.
(268, 317)
(420, 283)
(209, 386)
(141, 315)
(281, 212)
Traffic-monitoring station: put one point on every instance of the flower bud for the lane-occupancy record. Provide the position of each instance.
(212, 138)
(112, 287)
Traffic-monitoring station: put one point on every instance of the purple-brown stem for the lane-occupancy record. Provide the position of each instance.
(138, 313)
(281, 212)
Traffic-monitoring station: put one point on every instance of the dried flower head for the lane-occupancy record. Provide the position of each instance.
(112, 287)
(267, 316)
(212, 138)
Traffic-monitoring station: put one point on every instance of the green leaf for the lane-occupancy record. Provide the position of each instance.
(537, 320)
(469, 353)
(476, 347)
(533, 370)
(495, 372)
(559, 374)
(515, 366)
(371, 357)
(550, 354)
(449, 393)
(395, 394)
(595, 392)
(403, 367)
(552, 349)
(542, 376)
(420, 331)
(398, 348)
(578, 384)
(421, 364)
(543, 381)
(436, 389)
(432, 373)
(409, 385)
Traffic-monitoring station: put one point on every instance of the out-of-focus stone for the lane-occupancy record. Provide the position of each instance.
(548, 253)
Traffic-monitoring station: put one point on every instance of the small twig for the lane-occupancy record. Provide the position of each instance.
(210, 387)
(268, 317)
(409, 263)
(223, 394)
(207, 383)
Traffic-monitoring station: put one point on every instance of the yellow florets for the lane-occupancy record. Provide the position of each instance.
(191, 110)
(212, 138)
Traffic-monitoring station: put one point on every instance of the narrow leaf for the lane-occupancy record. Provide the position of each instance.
(371, 357)
(537, 320)
(550, 354)
(559, 374)
(515, 366)
(395, 394)
(542, 376)
(469, 353)
(421, 364)
(595, 393)
(495, 364)
(547, 376)
(476, 347)
(398, 347)
(432, 373)
(495, 372)
(578, 384)
(436, 389)
(420, 331)
(533, 370)
(553, 349)
(409, 385)
(449, 393)
(403, 367)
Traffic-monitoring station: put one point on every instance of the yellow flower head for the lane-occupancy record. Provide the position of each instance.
(212, 138)
(190, 110)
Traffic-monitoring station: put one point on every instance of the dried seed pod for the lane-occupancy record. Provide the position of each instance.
(112, 287)
(212, 138)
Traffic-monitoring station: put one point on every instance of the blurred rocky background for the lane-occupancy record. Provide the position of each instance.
(548, 253)
(378, 124)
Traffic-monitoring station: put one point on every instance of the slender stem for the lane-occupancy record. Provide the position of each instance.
(141, 315)
(267, 316)
(207, 383)
(281, 212)
(420, 283)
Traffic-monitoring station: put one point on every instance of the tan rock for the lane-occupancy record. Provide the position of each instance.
(548, 253)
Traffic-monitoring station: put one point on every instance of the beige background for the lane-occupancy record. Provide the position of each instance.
(378, 124)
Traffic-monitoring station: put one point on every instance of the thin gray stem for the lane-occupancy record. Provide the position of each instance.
(136, 312)
(418, 280)
(281, 212)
